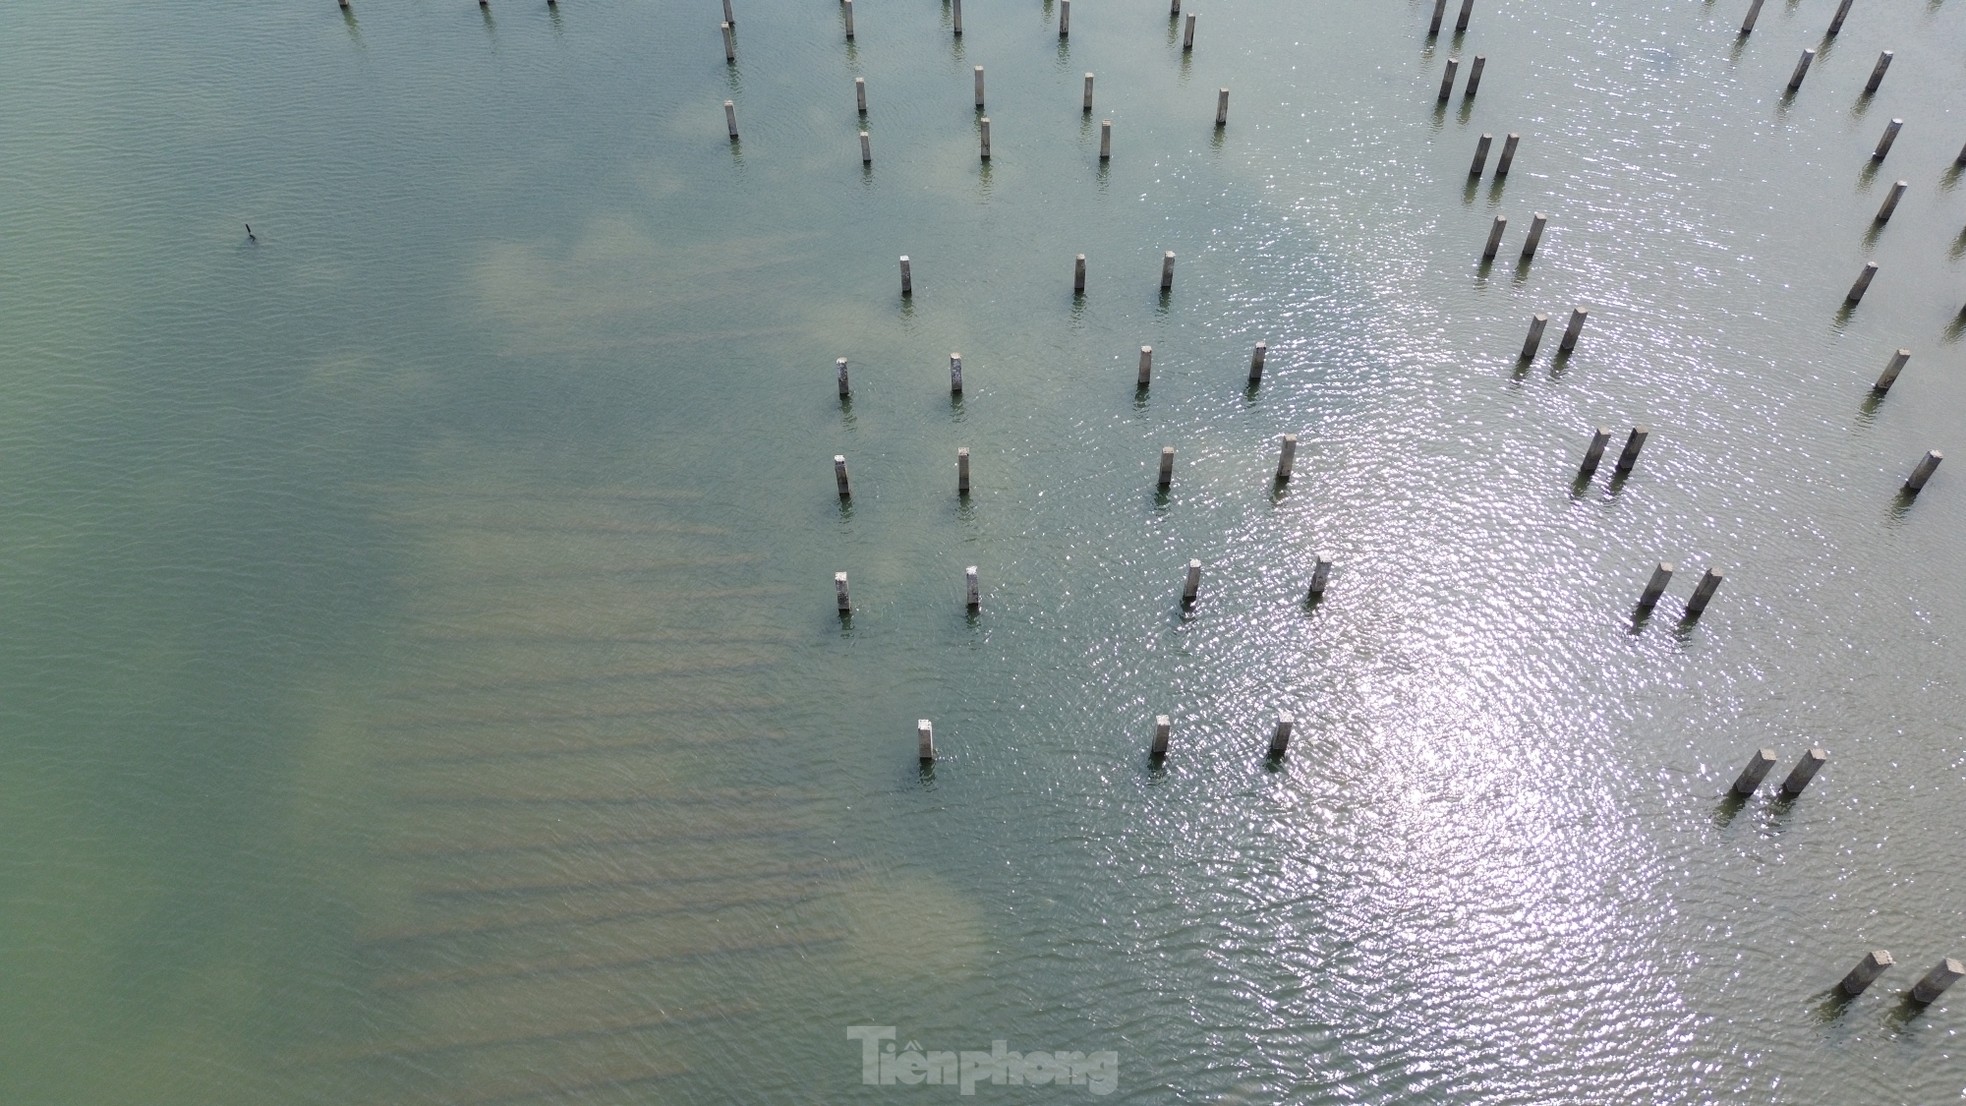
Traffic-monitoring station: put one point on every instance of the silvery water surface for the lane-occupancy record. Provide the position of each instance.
(421, 679)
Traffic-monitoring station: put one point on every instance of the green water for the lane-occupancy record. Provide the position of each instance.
(423, 680)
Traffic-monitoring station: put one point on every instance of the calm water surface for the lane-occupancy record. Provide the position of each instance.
(422, 680)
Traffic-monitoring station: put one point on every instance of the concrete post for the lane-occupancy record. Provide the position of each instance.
(1467, 10)
(730, 44)
(1884, 141)
(1755, 772)
(1866, 972)
(866, 150)
(1703, 593)
(1481, 154)
(1928, 465)
(1877, 73)
(1494, 237)
(1937, 980)
(925, 740)
(1166, 478)
(1222, 107)
(1891, 370)
(1474, 76)
(839, 593)
(955, 374)
(959, 17)
(1803, 772)
(979, 88)
(730, 117)
(1576, 327)
(962, 471)
(846, 7)
(1256, 359)
(1146, 365)
(1629, 457)
(1105, 140)
(1064, 18)
(1537, 222)
(1861, 285)
(1191, 587)
(1836, 21)
(1078, 275)
(1167, 271)
(1536, 324)
(839, 476)
(1891, 201)
(986, 138)
(1320, 574)
(972, 596)
(845, 391)
(1188, 35)
(1754, 11)
(1447, 80)
(1280, 739)
(728, 17)
(1086, 107)
(1162, 727)
(907, 278)
(1656, 586)
(860, 94)
(1595, 453)
(1286, 458)
(1801, 70)
(1508, 155)
(1440, 11)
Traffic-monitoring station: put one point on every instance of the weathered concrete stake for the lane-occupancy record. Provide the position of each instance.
(1536, 324)
(1287, 458)
(925, 740)
(1755, 772)
(1474, 76)
(1866, 972)
(1320, 574)
(1937, 980)
(1146, 365)
(1166, 478)
(1495, 237)
(1537, 221)
(844, 390)
(1885, 140)
(1861, 285)
(1440, 11)
(1192, 585)
(839, 476)
(1167, 272)
(1891, 202)
(1188, 34)
(730, 117)
(1928, 465)
(866, 150)
(1836, 21)
(1467, 10)
(1801, 70)
(728, 17)
(1594, 454)
(1162, 727)
(1629, 457)
(979, 87)
(1256, 358)
(1481, 154)
(1803, 772)
(1447, 80)
(907, 278)
(846, 6)
(972, 597)
(1105, 140)
(1064, 18)
(1570, 332)
(1754, 11)
(962, 470)
(839, 593)
(959, 17)
(1877, 74)
(955, 374)
(1280, 740)
(1222, 107)
(1087, 106)
(1703, 593)
(1891, 370)
(730, 44)
(860, 94)
(1508, 155)
(986, 138)
(1656, 586)
(1078, 275)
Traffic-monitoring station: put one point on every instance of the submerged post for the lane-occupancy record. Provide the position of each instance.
(1167, 271)
(925, 740)
(1191, 587)
(1495, 237)
(1286, 458)
(1280, 738)
(1320, 574)
(1105, 140)
(1803, 772)
(1166, 478)
(1629, 457)
(1146, 365)
(1595, 453)
(1755, 772)
(1891, 370)
(730, 117)
(1866, 972)
(1576, 327)
(839, 593)
(1474, 76)
(1508, 155)
(1928, 465)
(1481, 154)
(1537, 221)
(1656, 586)
(1889, 136)
(907, 278)
(1536, 324)
(839, 476)
(955, 374)
(1256, 359)
(1078, 275)
(972, 596)
(962, 470)
(1703, 594)
(1877, 73)
(840, 364)
(1447, 80)
(1936, 981)
(1801, 70)
(1162, 727)
(1086, 106)
(1222, 107)
(1891, 202)
(1862, 284)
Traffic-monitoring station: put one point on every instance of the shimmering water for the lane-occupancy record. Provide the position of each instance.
(422, 681)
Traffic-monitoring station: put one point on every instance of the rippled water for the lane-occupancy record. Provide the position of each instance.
(423, 682)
